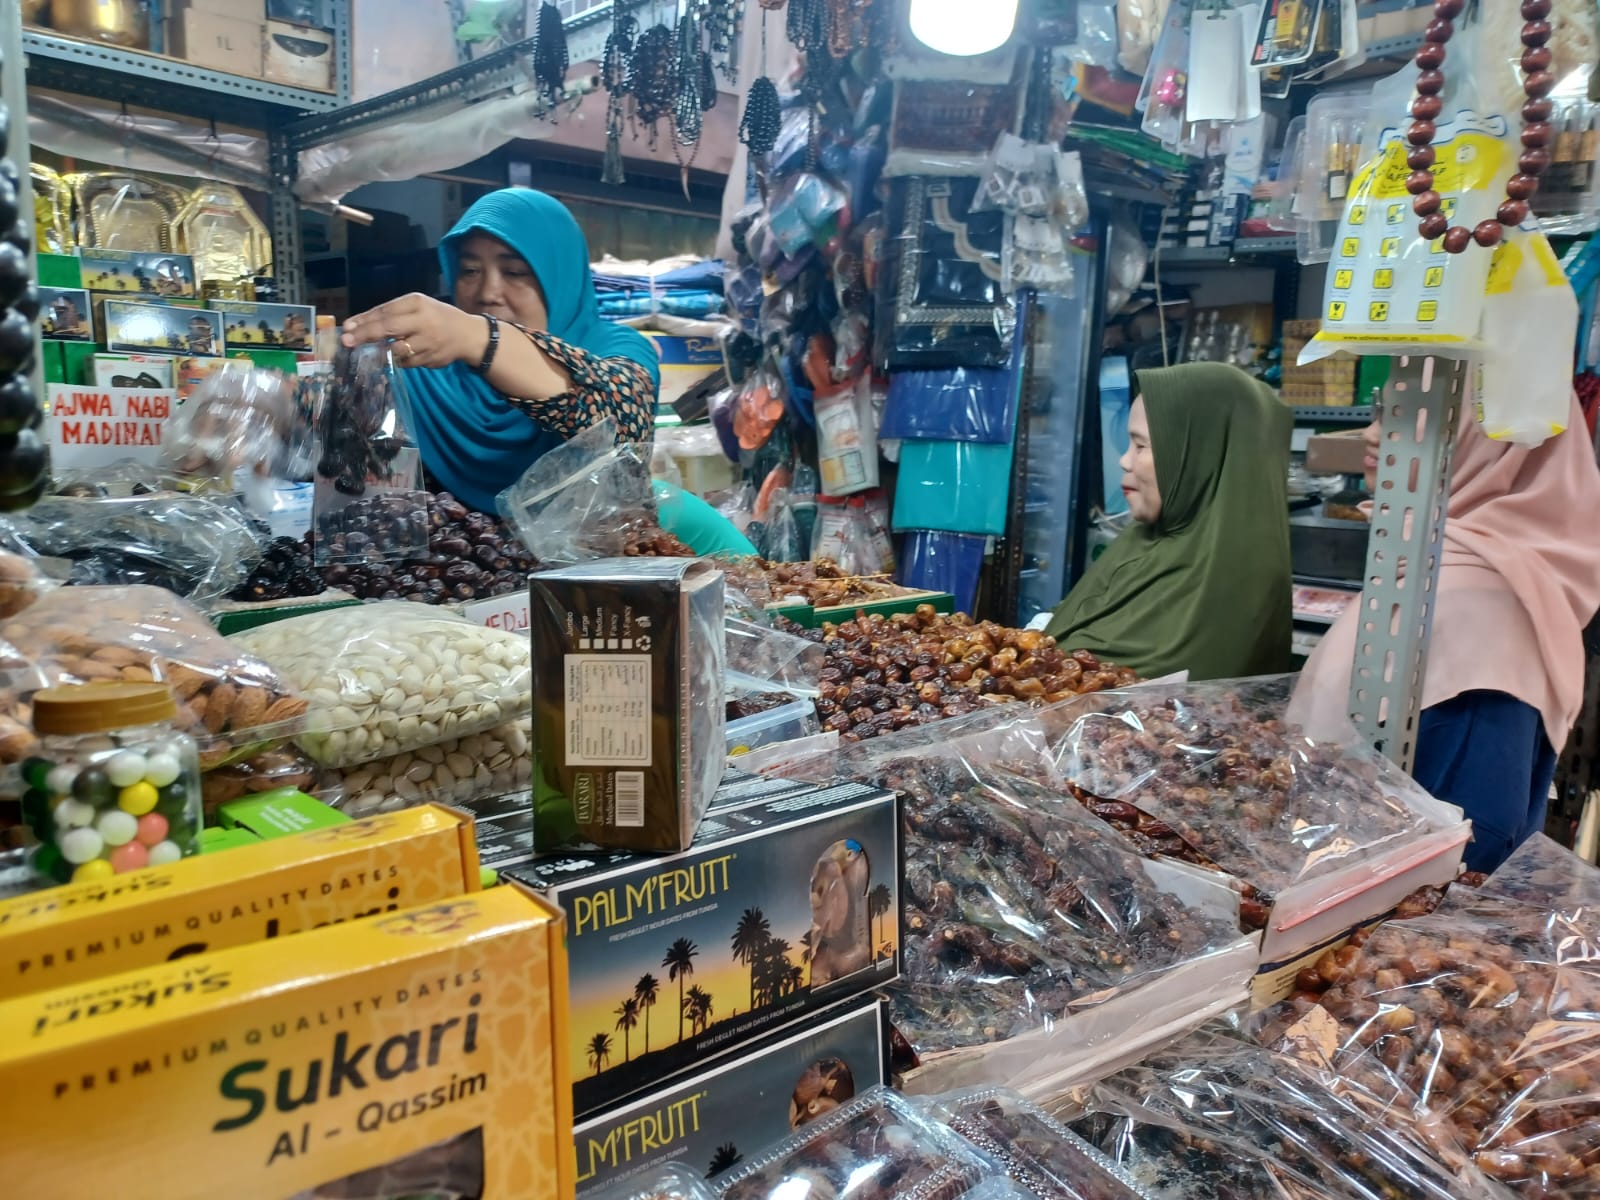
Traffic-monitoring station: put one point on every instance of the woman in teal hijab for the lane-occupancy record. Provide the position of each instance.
(521, 361)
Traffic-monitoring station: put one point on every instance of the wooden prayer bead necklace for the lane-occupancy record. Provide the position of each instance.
(1537, 84)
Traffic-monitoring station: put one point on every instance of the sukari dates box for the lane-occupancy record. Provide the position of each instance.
(274, 888)
(744, 1102)
(780, 908)
(419, 1053)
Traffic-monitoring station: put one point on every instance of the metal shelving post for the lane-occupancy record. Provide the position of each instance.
(1421, 405)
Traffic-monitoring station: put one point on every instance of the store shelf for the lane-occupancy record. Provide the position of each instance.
(168, 84)
(1221, 255)
(1395, 47)
(1357, 415)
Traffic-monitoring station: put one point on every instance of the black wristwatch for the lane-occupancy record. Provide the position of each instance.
(489, 350)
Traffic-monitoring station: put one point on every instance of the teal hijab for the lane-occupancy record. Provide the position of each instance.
(473, 440)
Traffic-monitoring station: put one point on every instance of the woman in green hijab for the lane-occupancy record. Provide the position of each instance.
(1200, 582)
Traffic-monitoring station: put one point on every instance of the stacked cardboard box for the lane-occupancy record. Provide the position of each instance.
(1329, 383)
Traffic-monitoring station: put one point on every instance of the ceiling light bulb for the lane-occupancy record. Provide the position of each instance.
(963, 27)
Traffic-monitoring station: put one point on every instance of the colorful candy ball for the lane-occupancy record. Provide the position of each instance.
(138, 799)
(152, 829)
(130, 857)
(126, 769)
(161, 768)
(164, 853)
(59, 781)
(93, 786)
(36, 772)
(116, 827)
(80, 845)
(95, 868)
(73, 814)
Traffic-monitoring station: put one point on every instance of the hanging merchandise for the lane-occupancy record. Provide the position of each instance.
(615, 72)
(121, 211)
(52, 211)
(847, 440)
(1524, 388)
(550, 54)
(960, 404)
(758, 410)
(1335, 130)
(949, 305)
(1164, 94)
(1222, 86)
(221, 232)
(843, 535)
(1138, 27)
(943, 562)
(651, 78)
(689, 104)
(1396, 287)
(959, 486)
(1287, 35)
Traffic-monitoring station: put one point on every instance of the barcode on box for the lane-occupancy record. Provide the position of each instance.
(630, 799)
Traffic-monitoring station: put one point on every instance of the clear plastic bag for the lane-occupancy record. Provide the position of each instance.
(590, 498)
(1213, 1117)
(847, 439)
(1020, 177)
(368, 503)
(495, 762)
(230, 701)
(1218, 768)
(242, 419)
(200, 547)
(670, 1182)
(1478, 1019)
(1547, 875)
(762, 659)
(389, 677)
(877, 1147)
(1335, 132)
(1045, 1157)
(1524, 389)
(1021, 909)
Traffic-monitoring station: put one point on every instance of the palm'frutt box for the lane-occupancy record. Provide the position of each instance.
(780, 908)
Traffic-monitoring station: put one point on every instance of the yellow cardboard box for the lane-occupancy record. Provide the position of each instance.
(419, 1051)
(82, 931)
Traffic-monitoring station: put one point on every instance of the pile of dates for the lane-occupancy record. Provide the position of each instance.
(469, 556)
(821, 583)
(886, 673)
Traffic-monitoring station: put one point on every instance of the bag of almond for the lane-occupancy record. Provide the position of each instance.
(232, 703)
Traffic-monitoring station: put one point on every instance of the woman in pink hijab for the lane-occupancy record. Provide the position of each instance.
(1519, 581)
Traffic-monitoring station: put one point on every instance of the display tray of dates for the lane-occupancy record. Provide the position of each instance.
(1212, 1115)
(819, 583)
(1215, 775)
(1478, 1018)
(877, 1147)
(1040, 1154)
(887, 673)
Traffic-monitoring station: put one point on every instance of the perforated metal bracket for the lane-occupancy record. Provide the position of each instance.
(1420, 409)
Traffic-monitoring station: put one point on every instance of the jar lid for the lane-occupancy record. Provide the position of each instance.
(101, 707)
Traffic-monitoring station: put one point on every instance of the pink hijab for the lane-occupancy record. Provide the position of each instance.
(1519, 581)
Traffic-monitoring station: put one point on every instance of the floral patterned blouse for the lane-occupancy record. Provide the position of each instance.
(618, 388)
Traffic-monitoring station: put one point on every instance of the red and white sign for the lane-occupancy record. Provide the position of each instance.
(90, 426)
(503, 612)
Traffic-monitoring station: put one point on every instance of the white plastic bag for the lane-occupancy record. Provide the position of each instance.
(1524, 388)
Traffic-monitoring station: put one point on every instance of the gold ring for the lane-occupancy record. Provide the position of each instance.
(410, 353)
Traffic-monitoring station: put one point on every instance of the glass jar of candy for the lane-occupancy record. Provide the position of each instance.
(114, 786)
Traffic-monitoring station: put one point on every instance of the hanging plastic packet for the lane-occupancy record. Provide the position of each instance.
(1020, 177)
(803, 504)
(847, 440)
(1335, 129)
(1390, 291)
(368, 503)
(758, 410)
(961, 404)
(1287, 35)
(782, 543)
(1038, 255)
(1096, 43)
(876, 505)
(238, 423)
(1164, 94)
(1524, 383)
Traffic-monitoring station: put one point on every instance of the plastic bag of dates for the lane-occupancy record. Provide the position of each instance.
(240, 421)
(588, 499)
(1046, 1158)
(762, 659)
(230, 701)
(877, 1147)
(368, 504)
(1478, 1018)
(1547, 875)
(1212, 1117)
(390, 677)
(1216, 769)
(200, 547)
(1023, 911)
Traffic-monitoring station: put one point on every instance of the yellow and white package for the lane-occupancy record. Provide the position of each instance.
(421, 1053)
(1523, 385)
(1389, 291)
(81, 931)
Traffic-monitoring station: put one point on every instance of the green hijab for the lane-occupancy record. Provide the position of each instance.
(1206, 588)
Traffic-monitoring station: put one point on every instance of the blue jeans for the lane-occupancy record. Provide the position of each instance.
(1487, 752)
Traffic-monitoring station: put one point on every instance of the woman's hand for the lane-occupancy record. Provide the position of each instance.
(425, 332)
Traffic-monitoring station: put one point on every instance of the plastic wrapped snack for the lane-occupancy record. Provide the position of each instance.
(1040, 1154)
(877, 1147)
(231, 702)
(1217, 769)
(670, 1182)
(1480, 1019)
(1214, 1116)
(20, 584)
(240, 421)
(492, 763)
(279, 767)
(390, 677)
(629, 719)
(1547, 875)
(201, 547)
